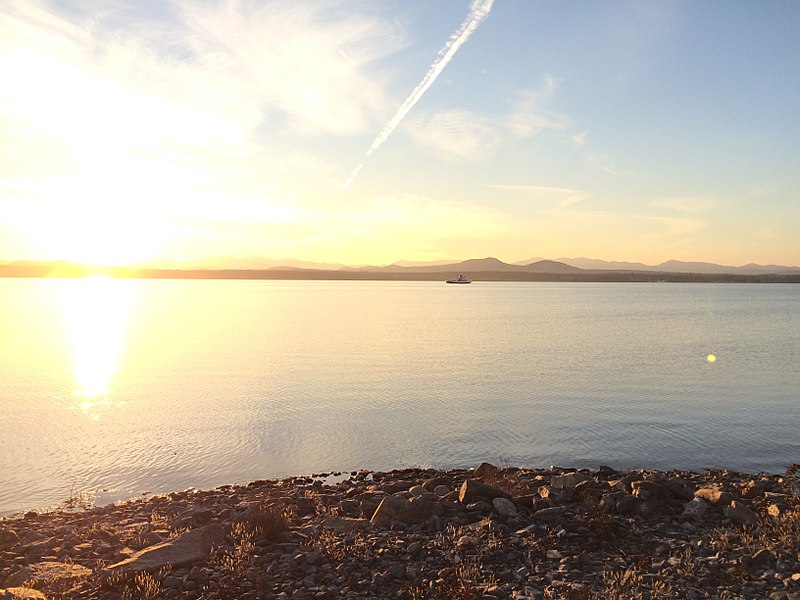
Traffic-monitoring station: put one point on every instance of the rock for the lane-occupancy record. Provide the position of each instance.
(739, 513)
(549, 514)
(395, 508)
(714, 496)
(416, 490)
(485, 470)
(50, 571)
(481, 506)
(345, 524)
(466, 542)
(441, 490)
(21, 593)
(504, 507)
(182, 550)
(8, 537)
(472, 490)
(762, 559)
(695, 509)
(651, 491)
(569, 480)
(415, 548)
(777, 509)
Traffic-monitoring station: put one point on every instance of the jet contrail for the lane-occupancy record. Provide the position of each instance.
(478, 11)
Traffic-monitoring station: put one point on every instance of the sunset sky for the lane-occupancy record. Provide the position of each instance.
(365, 132)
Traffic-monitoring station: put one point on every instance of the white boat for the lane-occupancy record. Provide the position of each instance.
(461, 279)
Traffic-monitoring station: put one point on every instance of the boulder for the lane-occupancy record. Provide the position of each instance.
(396, 508)
(739, 513)
(714, 496)
(651, 491)
(504, 507)
(485, 470)
(549, 514)
(568, 480)
(182, 550)
(8, 537)
(471, 490)
(695, 509)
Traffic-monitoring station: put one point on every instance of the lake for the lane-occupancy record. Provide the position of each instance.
(124, 387)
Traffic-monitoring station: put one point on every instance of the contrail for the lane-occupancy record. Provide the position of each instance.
(478, 11)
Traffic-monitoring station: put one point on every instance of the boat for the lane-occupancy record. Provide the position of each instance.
(461, 279)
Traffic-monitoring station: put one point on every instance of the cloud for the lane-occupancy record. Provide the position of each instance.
(530, 115)
(564, 197)
(310, 61)
(458, 135)
(685, 204)
(676, 226)
(455, 135)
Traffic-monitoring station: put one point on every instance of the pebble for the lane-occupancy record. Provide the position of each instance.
(486, 533)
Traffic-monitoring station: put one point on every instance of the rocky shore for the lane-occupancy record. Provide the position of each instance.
(488, 532)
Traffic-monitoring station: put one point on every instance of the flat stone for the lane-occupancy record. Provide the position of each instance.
(49, 571)
(345, 524)
(396, 508)
(186, 548)
(21, 593)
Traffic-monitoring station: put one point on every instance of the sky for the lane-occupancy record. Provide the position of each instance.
(370, 131)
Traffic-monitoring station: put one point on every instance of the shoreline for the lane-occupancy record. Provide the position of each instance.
(488, 532)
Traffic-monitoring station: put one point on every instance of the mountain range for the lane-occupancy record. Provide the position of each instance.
(537, 264)
(583, 269)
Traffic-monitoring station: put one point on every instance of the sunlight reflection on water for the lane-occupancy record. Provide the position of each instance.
(95, 312)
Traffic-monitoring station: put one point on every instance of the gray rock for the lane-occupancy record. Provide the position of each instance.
(184, 549)
(441, 490)
(394, 508)
(504, 507)
(695, 509)
(568, 480)
(345, 524)
(739, 513)
(549, 514)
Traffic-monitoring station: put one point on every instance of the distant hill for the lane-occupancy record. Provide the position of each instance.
(475, 265)
(478, 269)
(673, 266)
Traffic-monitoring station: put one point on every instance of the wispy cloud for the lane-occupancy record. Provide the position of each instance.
(685, 204)
(455, 135)
(530, 115)
(676, 225)
(479, 10)
(563, 197)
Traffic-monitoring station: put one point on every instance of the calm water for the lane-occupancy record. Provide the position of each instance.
(128, 386)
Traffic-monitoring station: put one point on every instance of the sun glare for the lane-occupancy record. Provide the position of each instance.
(95, 312)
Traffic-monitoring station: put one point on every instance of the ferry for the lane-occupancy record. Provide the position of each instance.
(461, 279)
